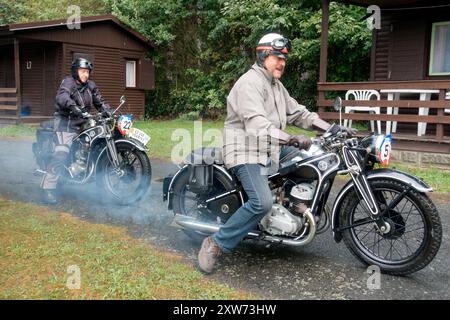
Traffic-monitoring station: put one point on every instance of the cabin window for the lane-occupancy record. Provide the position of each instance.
(131, 74)
(440, 49)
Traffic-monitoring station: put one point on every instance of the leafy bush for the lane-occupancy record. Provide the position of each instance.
(205, 45)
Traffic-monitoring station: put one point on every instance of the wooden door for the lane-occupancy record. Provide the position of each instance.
(50, 81)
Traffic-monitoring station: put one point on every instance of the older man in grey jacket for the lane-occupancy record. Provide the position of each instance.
(258, 110)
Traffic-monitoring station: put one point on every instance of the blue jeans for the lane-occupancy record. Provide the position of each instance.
(259, 203)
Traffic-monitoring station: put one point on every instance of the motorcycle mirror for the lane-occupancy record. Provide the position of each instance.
(122, 101)
(337, 104)
(338, 107)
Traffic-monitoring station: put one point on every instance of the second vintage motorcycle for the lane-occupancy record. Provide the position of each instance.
(384, 216)
(108, 150)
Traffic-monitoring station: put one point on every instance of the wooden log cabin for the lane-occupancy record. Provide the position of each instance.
(35, 57)
(410, 68)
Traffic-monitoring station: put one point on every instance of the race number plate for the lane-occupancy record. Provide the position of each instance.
(384, 149)
(139, 135)
(124, 124)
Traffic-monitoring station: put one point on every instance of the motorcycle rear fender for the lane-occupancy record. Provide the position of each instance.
(170, 180)
(131, 142)
(385, 174)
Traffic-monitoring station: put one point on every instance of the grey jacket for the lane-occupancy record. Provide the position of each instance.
(258, 107)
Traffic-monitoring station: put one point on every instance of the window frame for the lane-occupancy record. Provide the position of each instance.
(433, 38)
(135, 73)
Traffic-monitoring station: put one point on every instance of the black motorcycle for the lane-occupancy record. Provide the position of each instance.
(108, 150)
(384, 216)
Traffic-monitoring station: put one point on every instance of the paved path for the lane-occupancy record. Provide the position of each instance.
(321, 270)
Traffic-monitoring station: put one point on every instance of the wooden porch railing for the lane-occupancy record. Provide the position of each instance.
(440, 119)
(9, 108)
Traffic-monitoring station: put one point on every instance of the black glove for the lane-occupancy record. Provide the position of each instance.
(86, 115)
(76, 111)
(350, 131)
(300, 141)
(106, 113)
(335, 128)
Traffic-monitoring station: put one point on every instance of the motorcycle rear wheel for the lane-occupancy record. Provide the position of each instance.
(132, 181)
(185, 202)
(415, 235)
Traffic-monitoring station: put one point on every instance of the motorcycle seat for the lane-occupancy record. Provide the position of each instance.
(48, 125)
(204, 156)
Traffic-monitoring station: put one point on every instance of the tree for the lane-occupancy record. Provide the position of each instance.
(11, 11)
(205, 45)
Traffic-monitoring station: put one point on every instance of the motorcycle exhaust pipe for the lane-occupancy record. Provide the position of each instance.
(208, 227)
(193, 224)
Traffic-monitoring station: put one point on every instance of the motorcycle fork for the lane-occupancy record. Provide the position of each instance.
(111, 149)
(363, 188)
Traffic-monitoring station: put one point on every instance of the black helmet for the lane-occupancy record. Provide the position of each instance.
(80, 63)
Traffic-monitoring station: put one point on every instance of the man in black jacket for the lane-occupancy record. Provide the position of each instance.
(74, 100)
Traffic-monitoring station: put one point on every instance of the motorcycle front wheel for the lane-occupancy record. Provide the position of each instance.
(415, 230)
(131, 181)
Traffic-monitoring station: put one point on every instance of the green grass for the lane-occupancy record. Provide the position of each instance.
(162, 133)
(162, 145)
(437, 178)
(24, 131)
(38, 245)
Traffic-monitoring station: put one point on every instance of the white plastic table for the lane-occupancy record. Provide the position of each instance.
(394, 94)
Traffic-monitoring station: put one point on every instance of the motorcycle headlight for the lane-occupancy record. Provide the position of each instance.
(380, 148)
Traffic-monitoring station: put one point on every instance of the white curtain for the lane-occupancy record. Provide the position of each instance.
(131, 74)
(441, 50)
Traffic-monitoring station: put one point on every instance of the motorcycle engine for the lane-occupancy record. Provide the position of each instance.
(284, 222)
(79, 165)
(301, 197)
(279, 221)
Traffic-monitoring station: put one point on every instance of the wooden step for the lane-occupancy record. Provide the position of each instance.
(34, 119)
(9, 120)
(8, 99)
(8, 90)
(7, 107)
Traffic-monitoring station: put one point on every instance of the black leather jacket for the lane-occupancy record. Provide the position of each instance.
(73, 95)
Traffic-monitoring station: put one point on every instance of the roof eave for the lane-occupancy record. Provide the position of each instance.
(64, 22)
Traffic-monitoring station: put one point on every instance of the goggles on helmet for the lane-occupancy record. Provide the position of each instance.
(282, 45)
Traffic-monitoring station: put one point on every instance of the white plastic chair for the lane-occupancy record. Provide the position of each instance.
(447, 97)
(363, 95)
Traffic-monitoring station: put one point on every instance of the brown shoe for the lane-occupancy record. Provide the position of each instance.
(207, 257)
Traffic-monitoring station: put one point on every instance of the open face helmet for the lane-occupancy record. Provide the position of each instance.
(272, 44)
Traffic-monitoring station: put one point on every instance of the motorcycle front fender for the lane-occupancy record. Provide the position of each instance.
(131, 142)
(385, 174)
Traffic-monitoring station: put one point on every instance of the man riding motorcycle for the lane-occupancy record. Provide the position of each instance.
(74, 100)
(258, 105)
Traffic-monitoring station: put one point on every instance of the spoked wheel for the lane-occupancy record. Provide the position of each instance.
(131, 180)
(413, 235)
(186, 202)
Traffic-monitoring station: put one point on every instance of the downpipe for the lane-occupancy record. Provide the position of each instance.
(207, 227)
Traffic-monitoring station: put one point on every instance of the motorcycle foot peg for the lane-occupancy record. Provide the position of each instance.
(39, 172)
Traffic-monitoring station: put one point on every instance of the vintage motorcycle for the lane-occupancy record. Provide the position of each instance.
(108, 149)
(384, 216)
